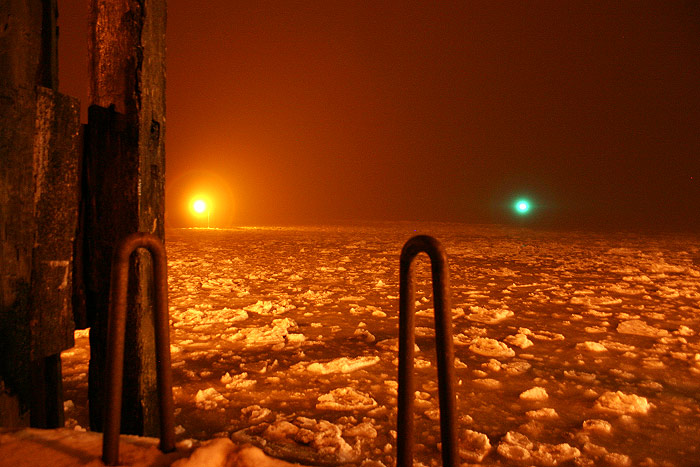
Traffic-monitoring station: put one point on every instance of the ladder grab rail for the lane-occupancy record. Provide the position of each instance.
(115, 343)
(444, 348)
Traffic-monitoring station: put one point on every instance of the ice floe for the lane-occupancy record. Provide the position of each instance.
(490, 348)
(640, 328)
(346, 398)
(534, 394)
(621, 403)
(518, 448)
(488, 316)
(342, 365)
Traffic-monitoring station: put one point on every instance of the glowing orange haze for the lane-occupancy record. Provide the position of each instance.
(431, 110)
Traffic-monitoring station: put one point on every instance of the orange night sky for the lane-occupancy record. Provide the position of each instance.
(319, 111)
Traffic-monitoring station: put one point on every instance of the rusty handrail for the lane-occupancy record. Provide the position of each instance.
(115, 343)
(443, 346)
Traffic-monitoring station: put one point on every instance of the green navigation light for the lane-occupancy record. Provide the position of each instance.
(522, 206)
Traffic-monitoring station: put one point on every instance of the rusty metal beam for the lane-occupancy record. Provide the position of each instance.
(443, 346)
(115, 344)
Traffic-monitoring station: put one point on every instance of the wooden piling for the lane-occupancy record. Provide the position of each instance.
(124, 190)
(40, 145)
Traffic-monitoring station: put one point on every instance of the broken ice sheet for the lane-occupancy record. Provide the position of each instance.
(345, 399)
(342, 365)
(563, 289)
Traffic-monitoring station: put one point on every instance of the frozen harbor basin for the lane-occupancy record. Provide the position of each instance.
(572, 348)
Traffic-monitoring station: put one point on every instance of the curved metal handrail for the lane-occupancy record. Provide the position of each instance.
(115, 343)
(444, 348)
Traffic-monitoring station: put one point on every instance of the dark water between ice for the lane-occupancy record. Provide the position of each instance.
(572, 348)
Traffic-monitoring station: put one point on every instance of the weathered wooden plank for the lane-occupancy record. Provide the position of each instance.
(57, 148)
(111, 192)
(20, 54)
(39, 147)
(17, 114)
(126, 134)
(20, 43)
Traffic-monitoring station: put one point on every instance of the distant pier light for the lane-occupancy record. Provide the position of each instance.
(200, 207)
(522, 206)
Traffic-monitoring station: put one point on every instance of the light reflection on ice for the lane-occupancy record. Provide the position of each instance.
(570, 346)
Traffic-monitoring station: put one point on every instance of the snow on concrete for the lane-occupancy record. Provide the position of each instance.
(31, 447)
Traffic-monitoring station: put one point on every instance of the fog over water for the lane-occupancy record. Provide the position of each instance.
(572, 348)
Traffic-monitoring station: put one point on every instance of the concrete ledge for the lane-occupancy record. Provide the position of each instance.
(63, 447)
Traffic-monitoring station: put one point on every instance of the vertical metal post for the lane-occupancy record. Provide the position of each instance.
(443, 347)
(115, 344)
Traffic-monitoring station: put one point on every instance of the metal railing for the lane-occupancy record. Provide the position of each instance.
(443, 344)
(115, 344)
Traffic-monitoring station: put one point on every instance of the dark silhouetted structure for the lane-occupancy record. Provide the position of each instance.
(68, 194)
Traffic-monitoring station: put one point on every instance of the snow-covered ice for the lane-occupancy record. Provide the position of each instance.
(572, 348)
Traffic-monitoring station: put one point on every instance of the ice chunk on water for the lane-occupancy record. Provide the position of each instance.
(488, 316)
(207, 399)
(342, 365)
(616, 459)
(255, 413)
(542, 335)
(547, 413)
(519, 340)
(278, 333)
(591, 346)
(393, 344)
(534, 394)
(598, 426)
(345, 398)
(594, 301)
(308, 440)
(621, 403)
(640, 328)
(363, 430)
(490, 348)
(488, 383)
(474, 446)
(266, 308)
(239, 381)
(518, 448)
(363, 335)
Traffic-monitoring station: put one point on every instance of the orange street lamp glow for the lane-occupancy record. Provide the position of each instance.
(199, 206)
